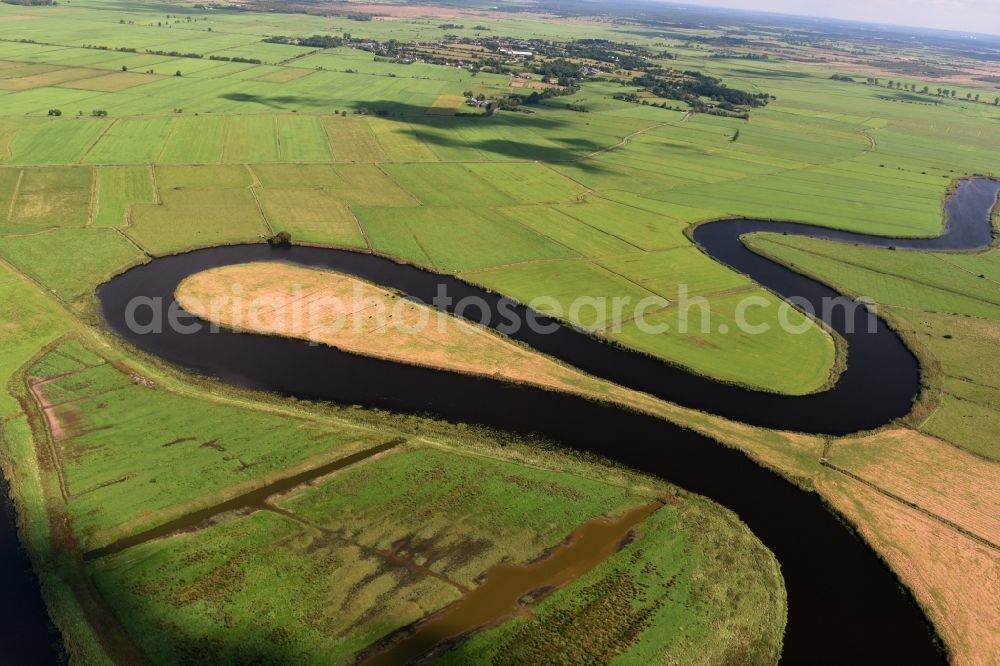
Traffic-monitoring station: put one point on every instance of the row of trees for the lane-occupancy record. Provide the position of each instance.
(940, 92)
(97, 113)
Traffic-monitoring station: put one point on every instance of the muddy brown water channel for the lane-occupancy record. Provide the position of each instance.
(844, 604)
(500, 594)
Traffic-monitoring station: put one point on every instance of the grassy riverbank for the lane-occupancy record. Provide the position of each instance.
(395, 572)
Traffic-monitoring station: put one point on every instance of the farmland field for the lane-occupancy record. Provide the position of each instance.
(91, 406)
(176, 518)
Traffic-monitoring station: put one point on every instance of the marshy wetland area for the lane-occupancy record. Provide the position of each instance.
(237, 427)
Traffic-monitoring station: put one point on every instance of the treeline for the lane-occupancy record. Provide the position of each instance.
(636, 99)
(692, 86)
(32, 3)
(620, 56)
(612, 54)
(176, 54)
(248, 61)
(514, 102)
(947, 93)
(563, 70)
(129, 49)
(729, 55)
(316, 41)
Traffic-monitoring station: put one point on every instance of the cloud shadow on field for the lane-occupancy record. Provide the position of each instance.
(417, 115)
(283, 102)
(559, 149)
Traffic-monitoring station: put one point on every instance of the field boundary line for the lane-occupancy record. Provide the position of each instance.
(885, 273)
(94, 143)
(45, 291)
(361, 228)
(38, 283)
(586, 188)
(629, 280)
(541, 234)
(284, 63)
(225, 139)
(418, 203)
(14, 195)
(157, 199)
(423, 249)
(941, 257)
(253, 498)
(624, 140)
(969, 380)
(166, 141)
(8, 146)
(41, 232)
(527, 262)
(969, 400)
(479, 453)
(587, 224)
(50, 438)
(93, 197)
(143, 251)
(628, 320)
(916, 507)
(277, 138)
(82, 398)
(254, 186)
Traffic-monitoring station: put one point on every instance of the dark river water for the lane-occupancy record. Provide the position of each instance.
(844, 604)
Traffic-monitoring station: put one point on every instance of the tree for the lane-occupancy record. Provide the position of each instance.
(55, 112)
(280, 238)
(996, 102)
(177, 73)
(124, 68)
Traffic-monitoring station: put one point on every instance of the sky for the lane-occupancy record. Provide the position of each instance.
(981, 16)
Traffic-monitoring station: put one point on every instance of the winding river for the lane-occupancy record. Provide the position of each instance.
(844, 603)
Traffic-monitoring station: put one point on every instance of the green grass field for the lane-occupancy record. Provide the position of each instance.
(116, 189)
(331, 540)
(48, 198)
